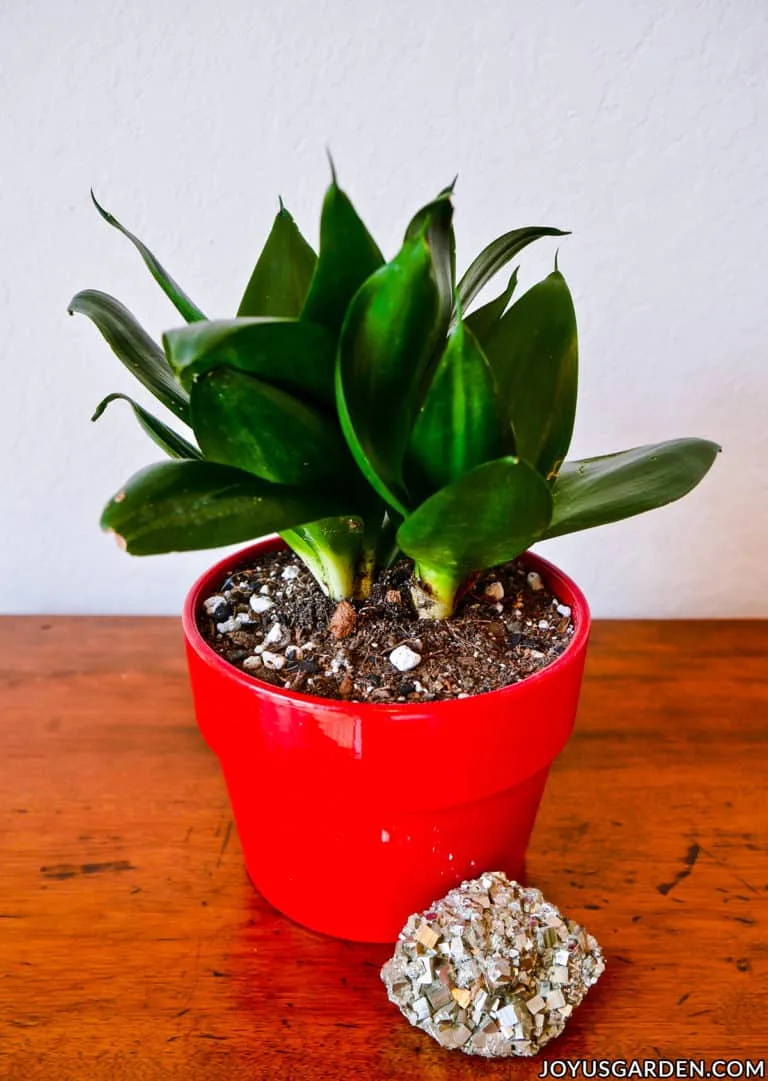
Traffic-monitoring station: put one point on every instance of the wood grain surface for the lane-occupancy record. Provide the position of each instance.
(132, 945)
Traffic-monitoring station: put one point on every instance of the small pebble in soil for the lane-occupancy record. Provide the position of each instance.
(250, 664)
(261, 603)
(404, 659)
(290, 573)
(217, 607)
(494, 591)
(534, 580)
(343, 620)
(275, 661)
(339, 663)
(563, 609)
(277, 635)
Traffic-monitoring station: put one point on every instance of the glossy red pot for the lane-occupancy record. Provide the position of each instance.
(351, 816)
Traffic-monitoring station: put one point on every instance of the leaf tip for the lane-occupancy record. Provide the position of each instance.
(449, 188)
(101, 407)
(102, 210)
(334, 178)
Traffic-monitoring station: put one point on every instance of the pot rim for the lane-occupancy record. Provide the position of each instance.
(556, 579)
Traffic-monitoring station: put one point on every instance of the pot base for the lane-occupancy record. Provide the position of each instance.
(358, 884)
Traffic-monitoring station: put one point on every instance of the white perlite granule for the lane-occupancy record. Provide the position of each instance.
(492, 968)
(404, 659)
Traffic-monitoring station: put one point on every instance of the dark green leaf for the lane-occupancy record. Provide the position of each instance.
(534, 356)
(133, 346)
(281, 277)
(348, 255)
(247, 423)
(437, 219)
(484, 321)
(498, 253)
(393, 327)
(298, 357)
(597, 491)
(171, 442)
(183, 506)
(460, 424)
(488, 516)
(185, 307)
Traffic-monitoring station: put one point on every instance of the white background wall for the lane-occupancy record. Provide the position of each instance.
(642, 125)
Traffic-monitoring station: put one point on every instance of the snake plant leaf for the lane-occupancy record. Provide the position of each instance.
(390, 335)
(280, 280)
(484, 321)
(131, 344)
(534, 356)
(596, 491)
(330, 548)
(186, 308)
(442, 241)
(461, 424)
(244, 422)
(182, 506)
(487, 516)
(174, 445)
(296, 356)
(445, 256)
(495, 256)
(348, 255)
(447, 192)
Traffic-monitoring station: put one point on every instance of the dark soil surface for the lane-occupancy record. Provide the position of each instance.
(272, 621)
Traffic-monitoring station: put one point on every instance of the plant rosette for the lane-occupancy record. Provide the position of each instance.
(368, 411)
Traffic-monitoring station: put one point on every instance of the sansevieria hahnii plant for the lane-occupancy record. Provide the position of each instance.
(364, 408)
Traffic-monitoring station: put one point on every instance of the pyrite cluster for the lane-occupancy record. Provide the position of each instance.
(492, 968)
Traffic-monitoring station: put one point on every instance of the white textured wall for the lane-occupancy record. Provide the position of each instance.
(642, 125)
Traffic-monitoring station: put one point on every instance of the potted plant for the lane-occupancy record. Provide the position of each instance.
(408, 447)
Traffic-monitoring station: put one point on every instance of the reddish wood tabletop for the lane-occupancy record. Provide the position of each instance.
(132, 945)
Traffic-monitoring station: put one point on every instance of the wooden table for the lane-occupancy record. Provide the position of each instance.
(132, 945)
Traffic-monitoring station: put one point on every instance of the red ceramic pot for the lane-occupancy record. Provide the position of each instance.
(351, 816)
